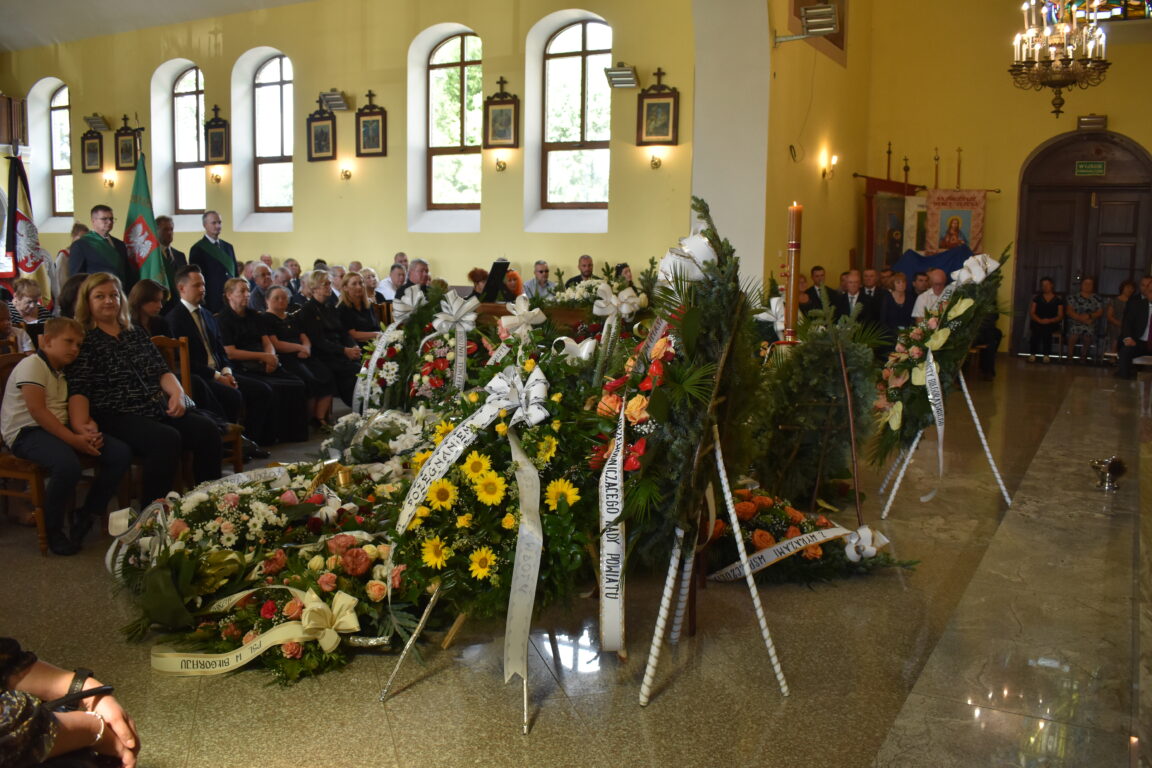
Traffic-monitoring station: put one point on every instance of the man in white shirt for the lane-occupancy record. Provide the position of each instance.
(540, 286)
(396, 277)
(937, 279)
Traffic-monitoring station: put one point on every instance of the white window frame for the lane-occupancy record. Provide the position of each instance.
(38, 158)
(245, 217)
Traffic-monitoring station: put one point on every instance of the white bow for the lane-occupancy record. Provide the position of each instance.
(521, 318)
(773, 313)
(686, 260)
(575, 352)
(323, 622)
(975, 269)
(527, 398)
(863, 543)
(456, 313)
(405, 305)
(609, 305)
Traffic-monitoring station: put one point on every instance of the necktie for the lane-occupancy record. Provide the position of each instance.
(204, 337)
(851, 303)
(1148, 331)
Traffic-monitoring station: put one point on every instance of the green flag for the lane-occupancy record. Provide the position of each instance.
(140, 231)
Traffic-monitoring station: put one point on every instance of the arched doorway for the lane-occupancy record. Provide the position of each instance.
(1085, 210)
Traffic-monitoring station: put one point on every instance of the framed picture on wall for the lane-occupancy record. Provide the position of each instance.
(955, 217)
(321, 135)
(658, 114)
(371, 130)
(91, 152)
(126, 151)
(501, 119)
(216, 135)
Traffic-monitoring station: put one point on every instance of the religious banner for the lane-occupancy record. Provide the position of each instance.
(955, 217)
(140, 231)
(24, 256)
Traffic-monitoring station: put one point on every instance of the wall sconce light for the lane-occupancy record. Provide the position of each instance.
(655, 162)
(215, 174)
(345, 173)
(656, 157)
(109, 180)
(501, 163)
(829, 170)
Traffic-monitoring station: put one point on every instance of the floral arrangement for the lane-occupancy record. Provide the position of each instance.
(378, 436)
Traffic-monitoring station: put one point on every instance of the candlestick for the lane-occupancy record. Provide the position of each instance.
(1024, 10)
(795, 215)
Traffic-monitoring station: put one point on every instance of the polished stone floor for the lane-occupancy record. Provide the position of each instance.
(1016, 642)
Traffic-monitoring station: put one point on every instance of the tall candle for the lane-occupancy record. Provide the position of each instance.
(1024, 10)
(792, 306)
(795, 213)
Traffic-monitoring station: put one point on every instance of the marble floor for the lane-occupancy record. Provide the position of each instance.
(1015, 642)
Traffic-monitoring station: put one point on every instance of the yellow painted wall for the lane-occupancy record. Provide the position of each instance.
(820, 107)
(355, 45)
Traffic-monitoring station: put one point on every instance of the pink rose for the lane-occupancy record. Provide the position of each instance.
(293, 609)
(268, 610)
(916, 353)
(882, 404)
(917, 334)
(275, 562)
(292, 650)
(176, 527)
(355, 562)
(252, 635)
(397, 572)
(900, 348)
(341, 543)
(227, 527)
(933, 323)
(898, 381)
(376, 590)
(230, 631)
(887, 373)
(327, 581)
(230, 499)
(289, 497)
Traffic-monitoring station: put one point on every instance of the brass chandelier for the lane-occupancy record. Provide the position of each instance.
(1058, 50)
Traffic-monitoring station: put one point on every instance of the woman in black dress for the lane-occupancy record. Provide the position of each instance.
(145, 302)
(357, 313)
(247, 344)
(331, 344)
(295, 351)
(1047, 313)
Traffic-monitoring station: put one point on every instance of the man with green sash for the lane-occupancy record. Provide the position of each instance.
(216, 259)
(99, 251)
(172, 259)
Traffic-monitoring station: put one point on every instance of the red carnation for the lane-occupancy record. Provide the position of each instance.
(268, 610)
(435, 382)
(355, 562)
(275, 563)
(316, 498)
(392, 352)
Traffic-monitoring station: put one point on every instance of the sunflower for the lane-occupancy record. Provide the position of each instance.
(481, 562)
(418, 518)
(547, 448)
(442, 430)
(560, 490)
(441, 494)
(476, 465)
(490, 488)
(434, 553)
(508, 522)
(464, 521)
(419, 459)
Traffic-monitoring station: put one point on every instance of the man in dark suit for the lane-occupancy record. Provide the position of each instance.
(820, 296)
(216, 259)
(172, 258)
(418, 276)
(236, 393)
(855, 303)
(1135, 339)
(98, 251)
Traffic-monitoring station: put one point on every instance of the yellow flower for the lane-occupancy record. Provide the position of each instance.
(434, 553)
(473, 397)
(959, 308)
(503, 413)
(557, 397)
(560, 490)
(464, 521)
(501, 429)
(509, 522)
(442, 494)
(896, 416)
(547, 448)
(556, 425)
(529, 365)
(418, 518)
(419, 459)
(481, 562)
(442, 430)
(637, 410)
(490, 488)
(659, 348)
(937, 339)
(476, 465)
(385, 489)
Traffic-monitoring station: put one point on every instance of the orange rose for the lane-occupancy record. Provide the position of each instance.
(609, 406)
(718, 529)
(637, 410)
(823, 522)
(745, 510)
(794, 516)
(742, 493)
(813, 552)
(763, 502)
(792, 532)
(762, 539)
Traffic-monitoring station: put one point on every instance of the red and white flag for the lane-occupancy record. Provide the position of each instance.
(24, 256)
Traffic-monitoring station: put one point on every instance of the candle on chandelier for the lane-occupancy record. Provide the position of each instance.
(1024, 10)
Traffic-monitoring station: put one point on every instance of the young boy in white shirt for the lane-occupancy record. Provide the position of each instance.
(34, 424)
(12, 338)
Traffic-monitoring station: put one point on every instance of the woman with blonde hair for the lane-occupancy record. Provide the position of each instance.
(331, 344)
(357, 311)
(121, 386)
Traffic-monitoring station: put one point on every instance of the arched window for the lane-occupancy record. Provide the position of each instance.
(455, 116)
(577, 117)
(60, 143)
(188, 140)
(272, 124)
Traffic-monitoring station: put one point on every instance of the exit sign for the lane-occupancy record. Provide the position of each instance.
(1090, 167)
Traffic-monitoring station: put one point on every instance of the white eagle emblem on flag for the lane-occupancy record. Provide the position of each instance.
(140, 240)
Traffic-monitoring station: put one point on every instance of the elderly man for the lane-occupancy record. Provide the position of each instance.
(584, 265)
(871, 283)
(267, 259)
(540, 287)
(216, 259)
(401, 258)
(172, 258)
(99, 251)
(418, 275)
(853, 302)
(937, 279)
(355, 266)
(293, 283)
(258, 296)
